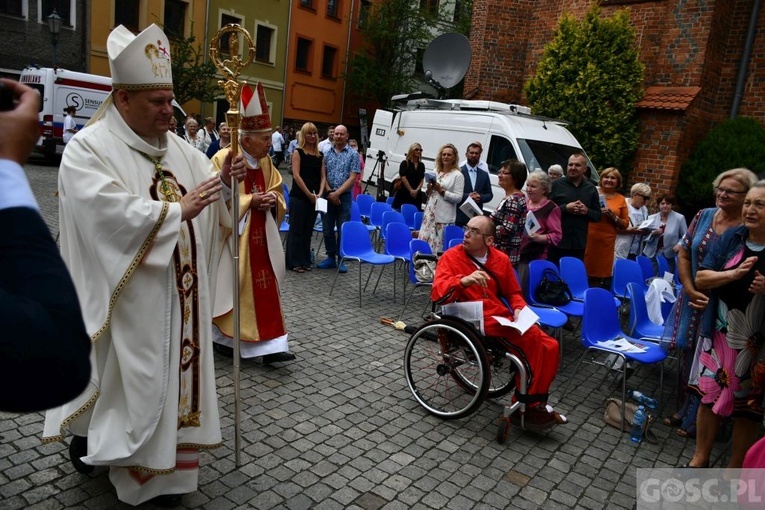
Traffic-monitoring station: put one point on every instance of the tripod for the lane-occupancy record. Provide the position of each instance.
(380, 162)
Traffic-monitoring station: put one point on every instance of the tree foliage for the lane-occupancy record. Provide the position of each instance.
(394, 31)
(193, 77)
(735, 143)
(590, 75)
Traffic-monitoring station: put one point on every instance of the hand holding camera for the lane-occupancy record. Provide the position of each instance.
(19, 107)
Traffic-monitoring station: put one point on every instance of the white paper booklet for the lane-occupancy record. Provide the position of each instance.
(321, 205)
(522, 323)
(532, 225)
(471, 311)
(470, 208)
(623, 345)
(430, 176)
(651, 223)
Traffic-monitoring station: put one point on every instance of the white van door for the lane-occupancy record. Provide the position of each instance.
(379, 141)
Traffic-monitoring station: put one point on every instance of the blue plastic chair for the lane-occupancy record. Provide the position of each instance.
(454, 242)
(626, 271)
(418, 220)
(645, 266)
(409, 210)
(452, 232)
(356, 216)
(390, 200)
(641, 325)
(365, 205)
(397, 237)
(600, 323)
(663, 265)
(415, 245)
(573, 272)
(548, 317)
(355, 244)
(387, 218)
(536, 270)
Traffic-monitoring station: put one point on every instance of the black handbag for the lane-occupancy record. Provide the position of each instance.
(552, 290)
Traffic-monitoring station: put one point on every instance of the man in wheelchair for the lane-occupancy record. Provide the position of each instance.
(476, 271)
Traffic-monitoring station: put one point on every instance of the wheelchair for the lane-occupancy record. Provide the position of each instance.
(451, 369)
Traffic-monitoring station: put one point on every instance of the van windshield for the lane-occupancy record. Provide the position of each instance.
(540, 155)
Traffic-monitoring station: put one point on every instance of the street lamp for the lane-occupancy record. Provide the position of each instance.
(54, 25)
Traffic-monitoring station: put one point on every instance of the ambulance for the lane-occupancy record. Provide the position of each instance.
(60, 89)
(506, 131)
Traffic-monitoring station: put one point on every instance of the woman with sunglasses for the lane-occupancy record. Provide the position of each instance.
(444, 195)
(682, 327)
(412, 175)
(629, 242)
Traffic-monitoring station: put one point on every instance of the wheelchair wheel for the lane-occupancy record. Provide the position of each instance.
(446, 369)
(502, 370)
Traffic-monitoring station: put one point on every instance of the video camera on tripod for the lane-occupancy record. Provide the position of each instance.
(379, 167)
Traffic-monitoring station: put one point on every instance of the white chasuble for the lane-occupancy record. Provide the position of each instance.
(145, 288)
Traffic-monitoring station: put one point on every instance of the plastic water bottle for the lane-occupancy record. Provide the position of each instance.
(643, 399)
(636, 432)
(313, 257)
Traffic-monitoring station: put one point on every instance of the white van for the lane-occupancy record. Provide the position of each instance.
(505, 131)
(60, 89)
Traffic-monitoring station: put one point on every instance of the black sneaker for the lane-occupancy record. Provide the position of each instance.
(78, 447)
(278, 357)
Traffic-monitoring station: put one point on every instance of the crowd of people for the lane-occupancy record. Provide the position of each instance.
(145, 220)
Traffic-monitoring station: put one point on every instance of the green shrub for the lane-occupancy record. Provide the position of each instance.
(735, 143)
(590, 75)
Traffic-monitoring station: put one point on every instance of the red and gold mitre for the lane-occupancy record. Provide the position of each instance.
(254, 110)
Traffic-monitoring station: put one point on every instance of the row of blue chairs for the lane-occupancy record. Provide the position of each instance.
(599, 311)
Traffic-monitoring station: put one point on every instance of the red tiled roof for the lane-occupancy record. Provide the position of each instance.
(668, 98)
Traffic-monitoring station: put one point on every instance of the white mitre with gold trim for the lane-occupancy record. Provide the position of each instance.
(139, 62)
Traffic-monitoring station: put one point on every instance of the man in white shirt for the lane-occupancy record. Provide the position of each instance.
(70, 126)
(277, 143)
(328, 142)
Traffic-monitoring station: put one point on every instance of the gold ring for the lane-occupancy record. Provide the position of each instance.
(202, 194)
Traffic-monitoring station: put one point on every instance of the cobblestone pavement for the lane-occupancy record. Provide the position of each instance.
(338, 427)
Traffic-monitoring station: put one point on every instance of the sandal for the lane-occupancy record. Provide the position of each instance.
(686, 433)
(304, 268)
(298, 269)
(672, 421)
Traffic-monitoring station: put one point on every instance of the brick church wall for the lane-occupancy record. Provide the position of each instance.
(683, 43)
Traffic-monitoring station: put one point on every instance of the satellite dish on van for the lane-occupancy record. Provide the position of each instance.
(446, 60)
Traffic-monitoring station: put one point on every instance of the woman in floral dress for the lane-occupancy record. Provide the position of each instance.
(682, 326)
(510, 214)
(729, 375)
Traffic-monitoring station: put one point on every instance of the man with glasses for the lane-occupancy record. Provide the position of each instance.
(477, 183)
(477, 271)
(579, 205)
(629, 242)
